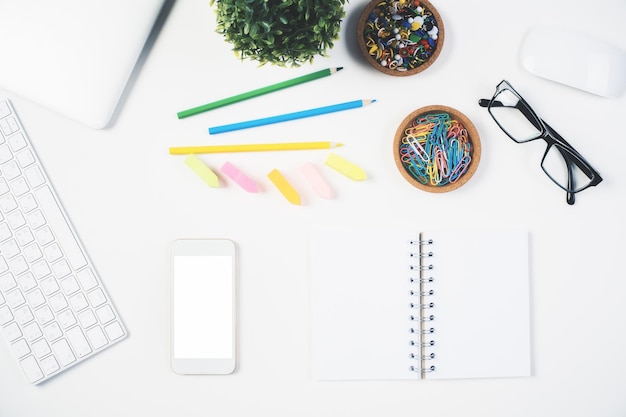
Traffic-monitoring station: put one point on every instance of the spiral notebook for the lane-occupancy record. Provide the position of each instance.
(389, 304)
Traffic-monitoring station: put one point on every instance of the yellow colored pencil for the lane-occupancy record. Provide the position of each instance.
(253, 147)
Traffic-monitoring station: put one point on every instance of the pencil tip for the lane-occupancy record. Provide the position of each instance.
(339, 68)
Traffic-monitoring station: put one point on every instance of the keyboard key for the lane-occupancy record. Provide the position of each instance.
(17, 142)
(19, 186)
(32, 331)
(15, 298)
(20, 348)
(32, 252)
(12, 331)
(31, 369)
(78, 302)
(70, 285)
(8, 125)
(7, 203)
(53, 252)
(5, 154)
(35, 219)
(24, 158)
(18, 264)
(27, 281)
(24, 236)
(5, 315)
(61, 268)
(34, 176)
(44, 314)
(87, 318)
(40, 268)
(44, 235)
(36, 298)
(66, 318)
(97, 337)
(114, 330)
(53, 331)
(4, 186)
(58, 302)
(63, 352)
(10, 248)
(11, 170)
(105, 314)
(50, 365)
(96, 297)
(77, 340)
(41, 348)
(16, 219)
(5, 232)
(49, 285)
(7, 282)
(23, 315)
(87, 279)
(28, 203)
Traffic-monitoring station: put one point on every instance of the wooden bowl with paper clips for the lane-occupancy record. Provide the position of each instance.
(436, 149)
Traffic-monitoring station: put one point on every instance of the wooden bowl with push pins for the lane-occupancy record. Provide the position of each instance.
(400, 37)
(436, 149)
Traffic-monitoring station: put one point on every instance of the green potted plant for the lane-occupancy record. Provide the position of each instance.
(280, 32)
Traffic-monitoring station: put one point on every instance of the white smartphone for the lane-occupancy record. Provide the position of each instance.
(203, 306)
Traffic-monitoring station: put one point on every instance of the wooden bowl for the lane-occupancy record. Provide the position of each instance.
(436, 149)
(400, 37)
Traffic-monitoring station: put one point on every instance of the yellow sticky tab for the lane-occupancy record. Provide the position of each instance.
(345, 167)
(202, 171)
(284, 187)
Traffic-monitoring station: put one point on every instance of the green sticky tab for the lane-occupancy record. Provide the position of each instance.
(203, 171)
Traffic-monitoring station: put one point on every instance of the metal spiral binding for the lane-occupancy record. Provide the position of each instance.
(422, 323)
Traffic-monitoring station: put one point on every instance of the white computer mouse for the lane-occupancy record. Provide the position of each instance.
(576, 59)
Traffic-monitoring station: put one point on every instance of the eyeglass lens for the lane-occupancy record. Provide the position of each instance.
(558, 163)
(514, 116)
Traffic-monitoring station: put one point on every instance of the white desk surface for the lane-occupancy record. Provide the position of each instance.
(129, 199)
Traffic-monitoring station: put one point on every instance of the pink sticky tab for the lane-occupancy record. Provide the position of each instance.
(239, 177)
(318, 183)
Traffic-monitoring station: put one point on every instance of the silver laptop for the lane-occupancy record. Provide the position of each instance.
(73, 56)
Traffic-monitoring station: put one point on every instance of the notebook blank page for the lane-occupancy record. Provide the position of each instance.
(360, 291)
(481, 304)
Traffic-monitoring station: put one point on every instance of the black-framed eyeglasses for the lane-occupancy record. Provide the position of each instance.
(563, 164)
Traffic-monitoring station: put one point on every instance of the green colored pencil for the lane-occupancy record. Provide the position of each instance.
(260, 91)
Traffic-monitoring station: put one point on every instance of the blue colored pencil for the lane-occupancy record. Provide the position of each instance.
(290, 116)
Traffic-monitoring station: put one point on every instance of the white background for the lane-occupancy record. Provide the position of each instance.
(129, 200)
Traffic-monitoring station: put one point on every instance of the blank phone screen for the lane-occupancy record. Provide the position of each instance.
(203, 307)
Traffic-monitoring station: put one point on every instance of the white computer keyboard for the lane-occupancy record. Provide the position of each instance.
(54, 311)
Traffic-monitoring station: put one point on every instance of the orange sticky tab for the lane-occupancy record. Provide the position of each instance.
(284, 187)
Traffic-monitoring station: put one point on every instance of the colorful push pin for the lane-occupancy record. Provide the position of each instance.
(318, 183)
(202, 171)
(345, 167)
(239, 177)
(284, 187)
